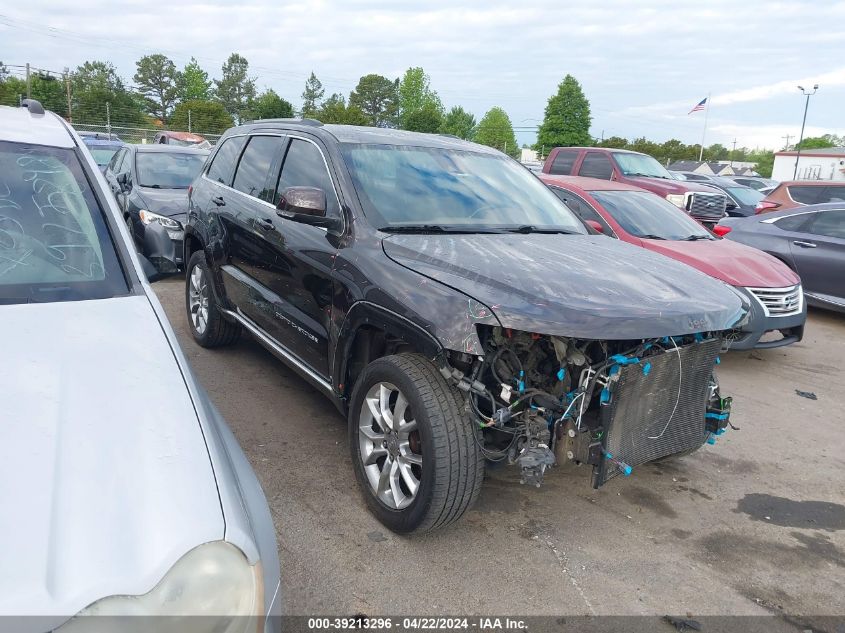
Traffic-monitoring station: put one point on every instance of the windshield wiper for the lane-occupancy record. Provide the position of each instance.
(432, 228)
(637, 173)
(530, 228)
(695, 238)
(649, 236)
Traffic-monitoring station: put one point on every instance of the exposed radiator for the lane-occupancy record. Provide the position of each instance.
(648, 417)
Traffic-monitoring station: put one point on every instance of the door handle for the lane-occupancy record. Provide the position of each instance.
(219, 201)
(804, 244)
(266, 224)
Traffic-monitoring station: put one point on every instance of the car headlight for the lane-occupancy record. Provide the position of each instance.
(168, 223)
(214, 581)
(678, 199)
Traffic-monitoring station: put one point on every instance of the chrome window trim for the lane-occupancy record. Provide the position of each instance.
(791, 215)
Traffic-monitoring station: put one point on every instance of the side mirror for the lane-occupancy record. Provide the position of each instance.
(123, 180)
(730, 206)
(596, 226)
(306, 205)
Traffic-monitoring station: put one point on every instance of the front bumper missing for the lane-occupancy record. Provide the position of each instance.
(163, 247)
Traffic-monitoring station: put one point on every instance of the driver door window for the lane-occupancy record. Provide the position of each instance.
(304, 167)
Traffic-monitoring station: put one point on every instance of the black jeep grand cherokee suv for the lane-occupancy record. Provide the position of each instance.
(453, 308)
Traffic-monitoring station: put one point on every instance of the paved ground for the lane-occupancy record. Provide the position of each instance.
(754, 525)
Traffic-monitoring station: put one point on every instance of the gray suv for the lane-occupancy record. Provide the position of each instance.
(125, 492)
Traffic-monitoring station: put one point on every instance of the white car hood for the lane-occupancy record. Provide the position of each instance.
(106, 479)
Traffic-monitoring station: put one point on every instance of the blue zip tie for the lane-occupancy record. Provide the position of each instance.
(561, 374)
(605, 396)
(646, 369)
(718, 361)
(521, 383)
(717, 416)
(621, 359)
(698, 337)
(711, 439)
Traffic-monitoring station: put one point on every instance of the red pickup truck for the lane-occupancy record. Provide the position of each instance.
(705, 204)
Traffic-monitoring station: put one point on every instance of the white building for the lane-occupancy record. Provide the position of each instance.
(814, 164)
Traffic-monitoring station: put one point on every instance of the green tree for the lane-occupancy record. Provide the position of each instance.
(764, 162)
(335, 110)
(495, 129)
(378, 98)
(46, 88)
(616, 142)
(459, 122)
(269, 105)
(567, 118)
(236, 89)
(194, 84)
(157, 81)
(209, 117)
(428, 118)
(819, 142)
(415, 93)
(96, 84)
(311, 96)
(717, 151)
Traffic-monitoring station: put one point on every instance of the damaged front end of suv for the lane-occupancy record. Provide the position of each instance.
(542, 400)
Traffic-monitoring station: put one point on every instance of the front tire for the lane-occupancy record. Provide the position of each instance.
(412, 443)
(208, 326)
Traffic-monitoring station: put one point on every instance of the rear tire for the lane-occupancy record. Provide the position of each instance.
(412, 444)
(207, 323)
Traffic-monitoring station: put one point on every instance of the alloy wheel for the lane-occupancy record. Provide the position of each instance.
(389, 442)
(198, 300)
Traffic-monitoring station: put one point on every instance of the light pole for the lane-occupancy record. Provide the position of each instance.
(803, 122)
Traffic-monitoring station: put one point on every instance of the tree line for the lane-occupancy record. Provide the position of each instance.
(181, 98)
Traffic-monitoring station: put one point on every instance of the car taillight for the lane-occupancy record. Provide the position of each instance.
(764, 206)
(721, 231)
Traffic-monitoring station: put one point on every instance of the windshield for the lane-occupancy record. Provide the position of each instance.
(164, 170)
(645, 215)
(746, 195)
(103, 153)
(54, 243)
(641, 165)
(471, 191)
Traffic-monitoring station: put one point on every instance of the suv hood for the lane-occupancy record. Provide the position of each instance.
(166, 202)
(573, 285)
(664, 187)
(733, 263)
(107, 479)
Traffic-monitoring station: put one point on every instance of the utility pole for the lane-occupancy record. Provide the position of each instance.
(28, 83)
(189, 120)
(787, 137)
(67, 91)
(733, 151)
(803, 122)
(108, 119)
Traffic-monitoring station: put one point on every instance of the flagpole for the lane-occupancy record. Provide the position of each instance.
(704, 133)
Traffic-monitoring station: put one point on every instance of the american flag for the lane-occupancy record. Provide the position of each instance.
(699, 107)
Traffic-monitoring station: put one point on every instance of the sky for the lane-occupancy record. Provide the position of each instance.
(643, 65)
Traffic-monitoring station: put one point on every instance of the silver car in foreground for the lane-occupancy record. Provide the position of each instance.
(124, 492)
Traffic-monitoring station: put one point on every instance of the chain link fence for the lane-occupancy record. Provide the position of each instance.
(129, 134)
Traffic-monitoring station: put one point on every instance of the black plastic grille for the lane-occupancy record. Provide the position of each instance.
(642, 404)
(707, 206)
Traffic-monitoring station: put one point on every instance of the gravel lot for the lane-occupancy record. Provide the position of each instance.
(754, 525)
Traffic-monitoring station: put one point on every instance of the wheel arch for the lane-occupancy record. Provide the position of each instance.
(370, 331)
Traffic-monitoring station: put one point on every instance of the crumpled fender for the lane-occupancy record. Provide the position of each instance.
(159, 248)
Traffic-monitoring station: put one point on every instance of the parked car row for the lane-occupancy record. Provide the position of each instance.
(457, 309)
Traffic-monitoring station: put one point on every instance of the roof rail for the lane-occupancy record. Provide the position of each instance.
(450, 136)
(33, 106)
(311, 122)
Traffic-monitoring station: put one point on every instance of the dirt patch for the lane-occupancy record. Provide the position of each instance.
(649, 500)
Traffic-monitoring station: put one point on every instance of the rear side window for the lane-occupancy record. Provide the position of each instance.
(254, 167)
(834, 193)
(807, 194)
(792, 222)
(829, 224)
(304, 167)
(224, 160)
(596, 165)
(54, 241)
(563, 162)
(696, 177)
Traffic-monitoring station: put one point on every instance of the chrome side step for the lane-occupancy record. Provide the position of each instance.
(291, 359)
